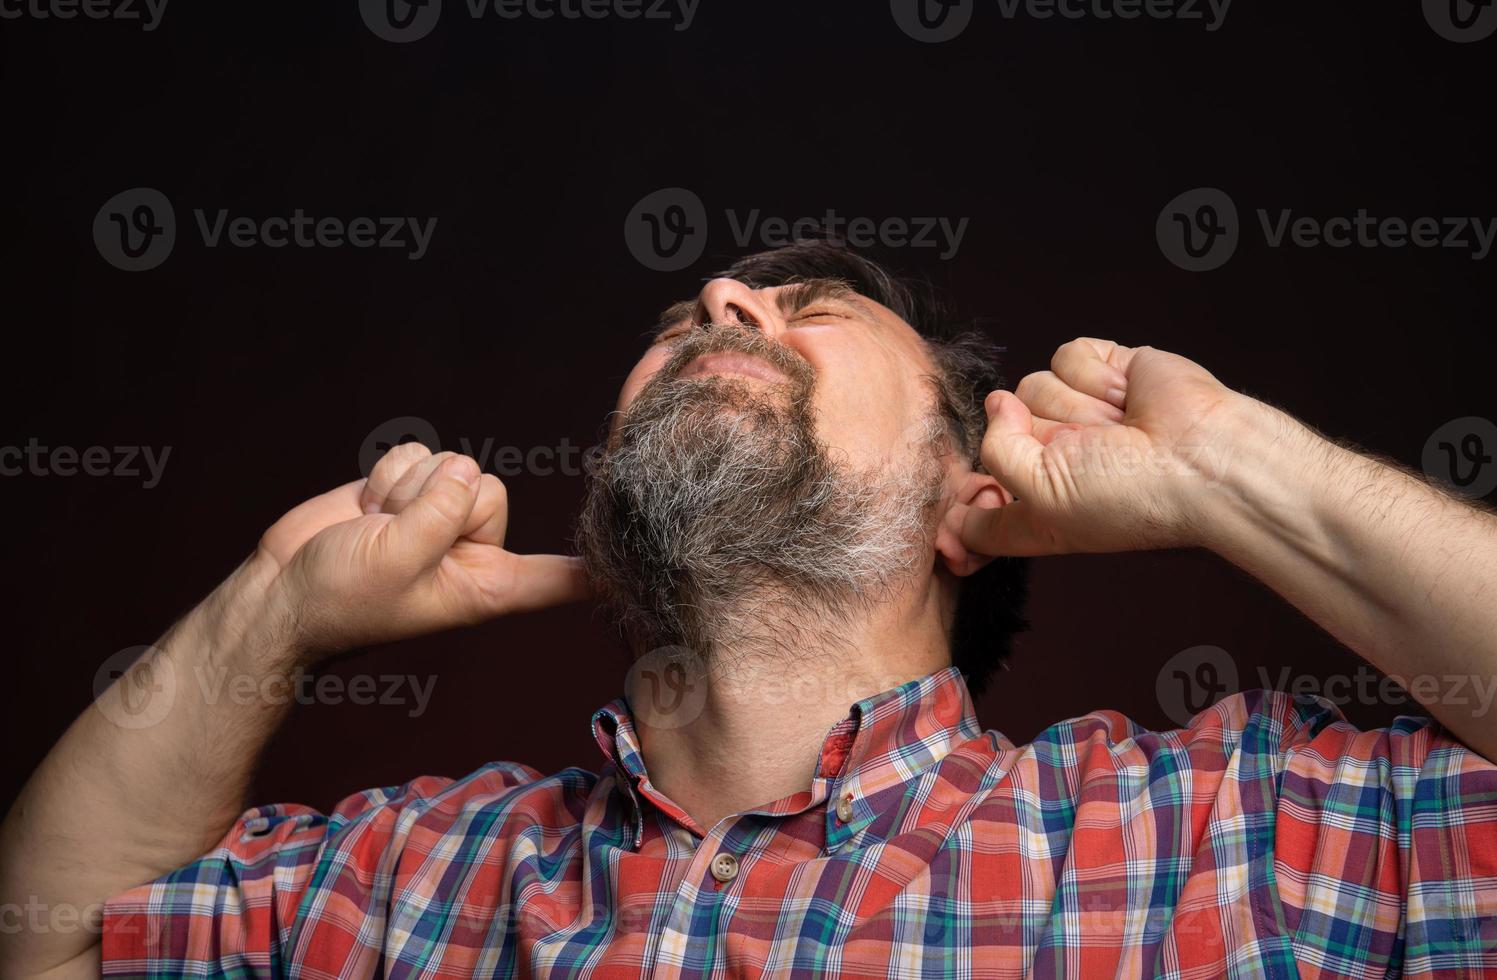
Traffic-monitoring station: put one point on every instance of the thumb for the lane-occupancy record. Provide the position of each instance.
(1010, 452)
(543, 581)
(1009, 531)
(425, 531)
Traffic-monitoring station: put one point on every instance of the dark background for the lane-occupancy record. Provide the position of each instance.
(530, 141)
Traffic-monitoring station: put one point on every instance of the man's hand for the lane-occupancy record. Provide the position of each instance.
(416, 548)
(1108, 451)
(1130, 448)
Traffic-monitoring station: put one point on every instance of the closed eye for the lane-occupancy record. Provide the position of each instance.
(818, 313)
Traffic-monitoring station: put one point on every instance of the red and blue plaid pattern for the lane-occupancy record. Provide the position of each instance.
(1265, 838)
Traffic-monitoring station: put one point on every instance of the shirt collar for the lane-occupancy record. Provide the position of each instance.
(884, 742)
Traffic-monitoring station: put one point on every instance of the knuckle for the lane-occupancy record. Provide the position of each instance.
(403, 455)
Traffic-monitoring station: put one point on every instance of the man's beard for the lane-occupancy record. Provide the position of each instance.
(718, 521)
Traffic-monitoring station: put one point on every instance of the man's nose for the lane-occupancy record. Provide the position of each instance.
(730, 301)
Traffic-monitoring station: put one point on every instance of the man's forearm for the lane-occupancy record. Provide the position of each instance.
(1395, 569)
(150, 776)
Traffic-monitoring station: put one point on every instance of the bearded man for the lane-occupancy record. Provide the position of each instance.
(810, 523)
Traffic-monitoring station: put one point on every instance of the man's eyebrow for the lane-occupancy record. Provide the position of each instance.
(796, 296)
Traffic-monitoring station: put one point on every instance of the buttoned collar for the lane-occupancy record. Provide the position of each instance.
(867, 759)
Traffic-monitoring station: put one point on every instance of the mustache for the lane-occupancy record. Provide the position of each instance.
(734, 338)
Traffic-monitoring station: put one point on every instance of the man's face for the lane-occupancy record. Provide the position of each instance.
(871, 396)
(776, 464)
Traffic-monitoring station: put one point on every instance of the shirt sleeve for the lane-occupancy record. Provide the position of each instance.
(1385, 848)
(236, 911)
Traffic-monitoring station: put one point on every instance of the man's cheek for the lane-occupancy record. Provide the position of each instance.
(639, 377)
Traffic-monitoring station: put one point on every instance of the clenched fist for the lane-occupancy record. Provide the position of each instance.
(416, 548)
(1113, 449)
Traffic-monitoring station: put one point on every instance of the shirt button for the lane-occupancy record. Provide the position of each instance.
(844, 809)
(725, 867)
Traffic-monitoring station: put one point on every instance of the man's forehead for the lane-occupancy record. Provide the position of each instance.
(793, 296)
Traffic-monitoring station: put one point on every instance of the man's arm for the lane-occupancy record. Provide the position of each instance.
(145, 780)
(1119, 449)
(154, 773)
(1398, 571)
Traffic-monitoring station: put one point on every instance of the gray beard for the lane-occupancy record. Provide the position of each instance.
(719, 522)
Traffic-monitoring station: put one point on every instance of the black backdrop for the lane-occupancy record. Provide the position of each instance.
(530, 141)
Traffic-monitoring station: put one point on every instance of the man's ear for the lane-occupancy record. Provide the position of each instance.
(975, 490)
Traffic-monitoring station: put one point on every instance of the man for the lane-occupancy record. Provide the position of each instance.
(804, 522)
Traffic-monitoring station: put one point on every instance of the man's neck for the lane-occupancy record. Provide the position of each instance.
(760, 731)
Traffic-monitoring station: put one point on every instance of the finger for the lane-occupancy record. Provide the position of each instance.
(423, 532)
(1010, 531)
(1010, 452)
(387, 472)
(490, 516)
(1087, 365)
(543, 581)
(1048, 396)
(412, 482)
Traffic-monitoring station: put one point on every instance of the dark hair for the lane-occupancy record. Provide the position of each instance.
(990, 604)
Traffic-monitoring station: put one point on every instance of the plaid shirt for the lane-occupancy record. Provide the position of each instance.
(1266, 836)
